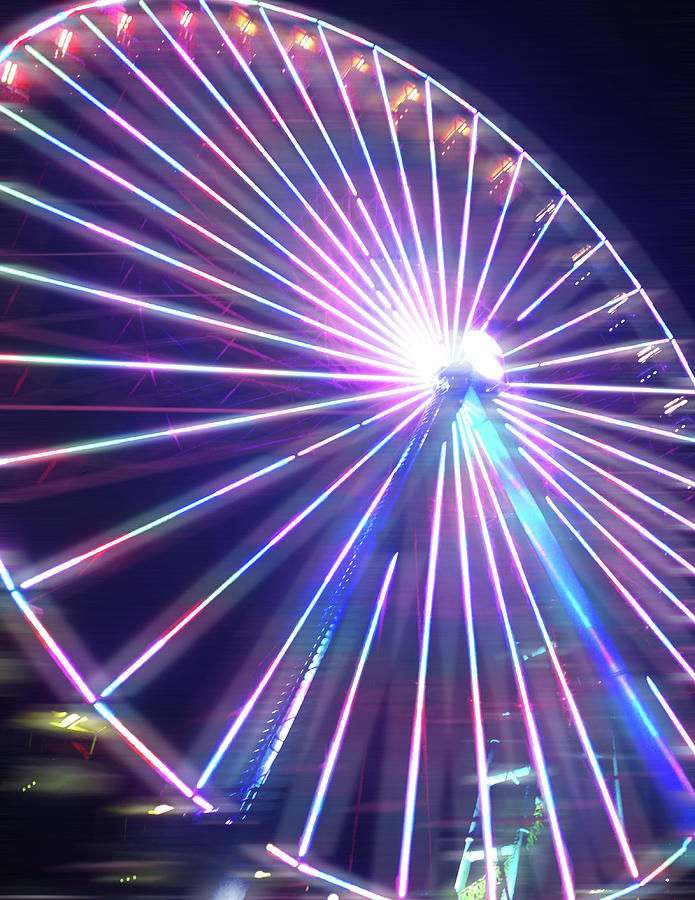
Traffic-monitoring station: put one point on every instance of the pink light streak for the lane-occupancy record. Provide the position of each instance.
(490, 854)
(344, 717)
(250, 703)
(418, 714)
(181, 623)
(580, 728)
(535, 746)
(192, 429)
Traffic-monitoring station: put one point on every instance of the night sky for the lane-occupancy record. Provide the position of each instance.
(608, 86)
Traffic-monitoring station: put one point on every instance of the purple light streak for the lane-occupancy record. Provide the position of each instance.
(251, 702)
(494, 242)
(181, 623)
(418, 714)
(556, 284)
(339, 734)
(535, 747)
(490, 853)
(580, 728)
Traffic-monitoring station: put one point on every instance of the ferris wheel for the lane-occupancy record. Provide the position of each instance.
(346, 463)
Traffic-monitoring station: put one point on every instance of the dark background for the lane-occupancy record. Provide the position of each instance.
(607, 86)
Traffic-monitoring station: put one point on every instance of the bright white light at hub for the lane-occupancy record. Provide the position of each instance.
(484, 354)
(428, 358)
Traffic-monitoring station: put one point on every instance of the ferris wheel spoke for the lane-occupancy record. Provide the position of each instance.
(220, 492)
(308, 206)
(465, 226)
(535, 746)
(437, 217)
(126, 126)
(579, 386)
(481, 765)
(336, 742)
(201, 369)
(420, 313)
(632, 601)
(247, 708)
(195, 226)
(600, 445)
(522, 265)
(202, 321)
(580, 357)
(208, 277)
(575, 320)
(577, 720)
(627, 554)
(613, 421)
(416, 739)
(613, 479)
(494, 242)
(296, 520)
(193, 429)
(675, 721)
(559, 281)
(297, 80)
(405, 186)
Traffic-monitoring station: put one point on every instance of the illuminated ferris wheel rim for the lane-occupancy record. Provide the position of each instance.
(472, 355)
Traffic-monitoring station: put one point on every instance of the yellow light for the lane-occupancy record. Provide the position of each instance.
(261, 874)
(579, 253)
(158, 810)
(500, 169)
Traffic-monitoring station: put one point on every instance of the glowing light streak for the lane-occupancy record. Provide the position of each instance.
(574, 321)
(312, 109)
(591, 354)
(251, 702)
(625, 593)
(437, 214)
(205, 232)
(379, 189)
(600, 445)
(418, 714)
(598, 388)
(556, 284)
(408, 196)
(52, 20)
(149, 365)
(142, 529)
(490, 854)
(119, 238)
(197, 318)
(638, 564)
(59, 656)
(465, 225)
(306, 869)
(607, 420)
(184, 620)
(580, 728)
(522, 265)
(289, 65)
(308, 206)
(684, 362)
(193, 429)
(155, 148)
(653, 874)
(624, 485)
(317, 119)
(339, 733)
(493, 243)
(668, 709)
(145, 753)
(535, 746)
